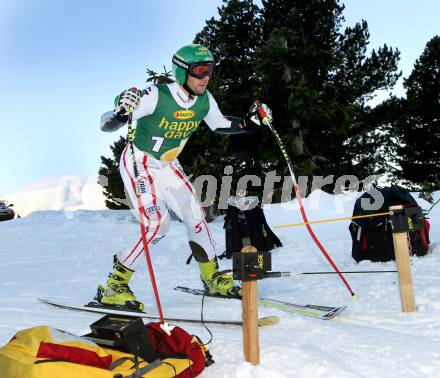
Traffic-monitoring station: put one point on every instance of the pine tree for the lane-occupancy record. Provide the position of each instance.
(417, 123)
(163, 78)
(318, 78)
(110, 178)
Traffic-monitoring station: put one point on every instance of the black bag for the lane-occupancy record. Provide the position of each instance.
(247, 227)
(372, 238)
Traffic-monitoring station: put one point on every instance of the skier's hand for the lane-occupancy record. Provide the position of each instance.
(258, 112)
(257, 115)
(127, 101)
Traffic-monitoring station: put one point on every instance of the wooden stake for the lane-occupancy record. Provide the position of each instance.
(401, 251)
(251, 343)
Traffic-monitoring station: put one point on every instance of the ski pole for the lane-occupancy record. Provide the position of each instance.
(268, 123)
(292, 274)
(138, 190)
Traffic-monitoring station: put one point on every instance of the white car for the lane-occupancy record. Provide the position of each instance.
(6, 212)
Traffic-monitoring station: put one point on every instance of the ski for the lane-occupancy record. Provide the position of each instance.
(314, 311)
(98, 308)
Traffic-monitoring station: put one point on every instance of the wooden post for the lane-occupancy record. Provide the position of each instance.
(401, 251)
(251, 343)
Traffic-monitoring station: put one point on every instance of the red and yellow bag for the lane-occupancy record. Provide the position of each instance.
(45, 352)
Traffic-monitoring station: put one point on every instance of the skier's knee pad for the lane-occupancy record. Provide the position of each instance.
(198, 252)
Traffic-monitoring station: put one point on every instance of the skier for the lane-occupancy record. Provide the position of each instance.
(165, 116)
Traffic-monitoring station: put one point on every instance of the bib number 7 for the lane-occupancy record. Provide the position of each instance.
(158, 141)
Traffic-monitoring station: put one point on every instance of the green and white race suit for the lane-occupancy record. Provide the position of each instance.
(165, 119)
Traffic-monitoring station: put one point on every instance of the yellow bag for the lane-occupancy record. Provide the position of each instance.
(45, 352)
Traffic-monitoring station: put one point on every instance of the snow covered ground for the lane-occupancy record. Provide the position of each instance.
(59, 255)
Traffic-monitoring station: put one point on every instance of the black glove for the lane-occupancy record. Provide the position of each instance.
(254, 119)
(127, 101)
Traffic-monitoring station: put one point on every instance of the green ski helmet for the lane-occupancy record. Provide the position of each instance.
(186, 56)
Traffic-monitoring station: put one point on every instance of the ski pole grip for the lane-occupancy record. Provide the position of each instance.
(262, 113)
(260, 109)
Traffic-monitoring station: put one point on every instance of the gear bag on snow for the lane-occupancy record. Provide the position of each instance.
(45, 352)
(245, 224)
(372, 238)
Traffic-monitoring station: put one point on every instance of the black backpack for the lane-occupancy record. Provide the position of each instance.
(247, 227)
(372, 238)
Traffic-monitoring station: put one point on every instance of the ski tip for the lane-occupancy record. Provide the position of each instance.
(268, 321)
(354, 297)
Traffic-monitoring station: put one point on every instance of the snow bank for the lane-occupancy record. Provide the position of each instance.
(67, 192)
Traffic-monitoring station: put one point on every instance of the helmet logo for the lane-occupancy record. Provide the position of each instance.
(202, 51)
(184, 114)
(180, 62)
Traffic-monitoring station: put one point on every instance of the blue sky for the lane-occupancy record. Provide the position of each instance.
(62, 63)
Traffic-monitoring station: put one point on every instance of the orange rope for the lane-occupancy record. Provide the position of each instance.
(332, 220)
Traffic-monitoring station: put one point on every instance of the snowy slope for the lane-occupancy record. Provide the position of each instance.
(67, 192)
(49, 255)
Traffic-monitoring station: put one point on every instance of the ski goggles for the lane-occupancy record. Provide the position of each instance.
(200, 70)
